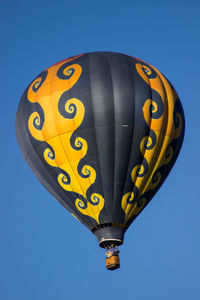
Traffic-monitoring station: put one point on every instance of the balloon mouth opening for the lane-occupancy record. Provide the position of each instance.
(109, 235)
(110, 243)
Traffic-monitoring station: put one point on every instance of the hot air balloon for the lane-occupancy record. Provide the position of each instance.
(101, 131)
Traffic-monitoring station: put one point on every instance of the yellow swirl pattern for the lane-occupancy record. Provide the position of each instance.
(91, 210)
(132, 209)
(57, 131)
(163, 127)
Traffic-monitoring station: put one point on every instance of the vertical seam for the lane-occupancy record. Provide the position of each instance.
(114, 126)
(91, 94)
(131, 146)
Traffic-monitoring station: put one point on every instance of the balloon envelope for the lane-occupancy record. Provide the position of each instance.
(101, 131)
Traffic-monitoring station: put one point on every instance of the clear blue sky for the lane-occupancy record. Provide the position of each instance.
(44, 252)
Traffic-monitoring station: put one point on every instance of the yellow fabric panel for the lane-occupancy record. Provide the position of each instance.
(155, 157)
(57, 131)
(164, 129)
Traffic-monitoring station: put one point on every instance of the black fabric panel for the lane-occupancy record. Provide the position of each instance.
(124, 110)
(104, 124)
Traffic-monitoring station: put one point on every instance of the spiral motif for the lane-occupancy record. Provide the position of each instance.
(133, 196)
(91, 207)
(95, 199)
(153, 109)
(168, 155)
(132, 208)
(86, 171)
(35, 86)
(66, 108)
(148, 71)
(151, 142)
(81, 204)
(64, 179)
(141, 201)
(51, 155)
(142, 169)
(178, 120)
(156, 178)
(71, 108)
(67, 71)
(37, 121)
(148, 142)
(78, 143)
(178, 125)
(139, 170)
